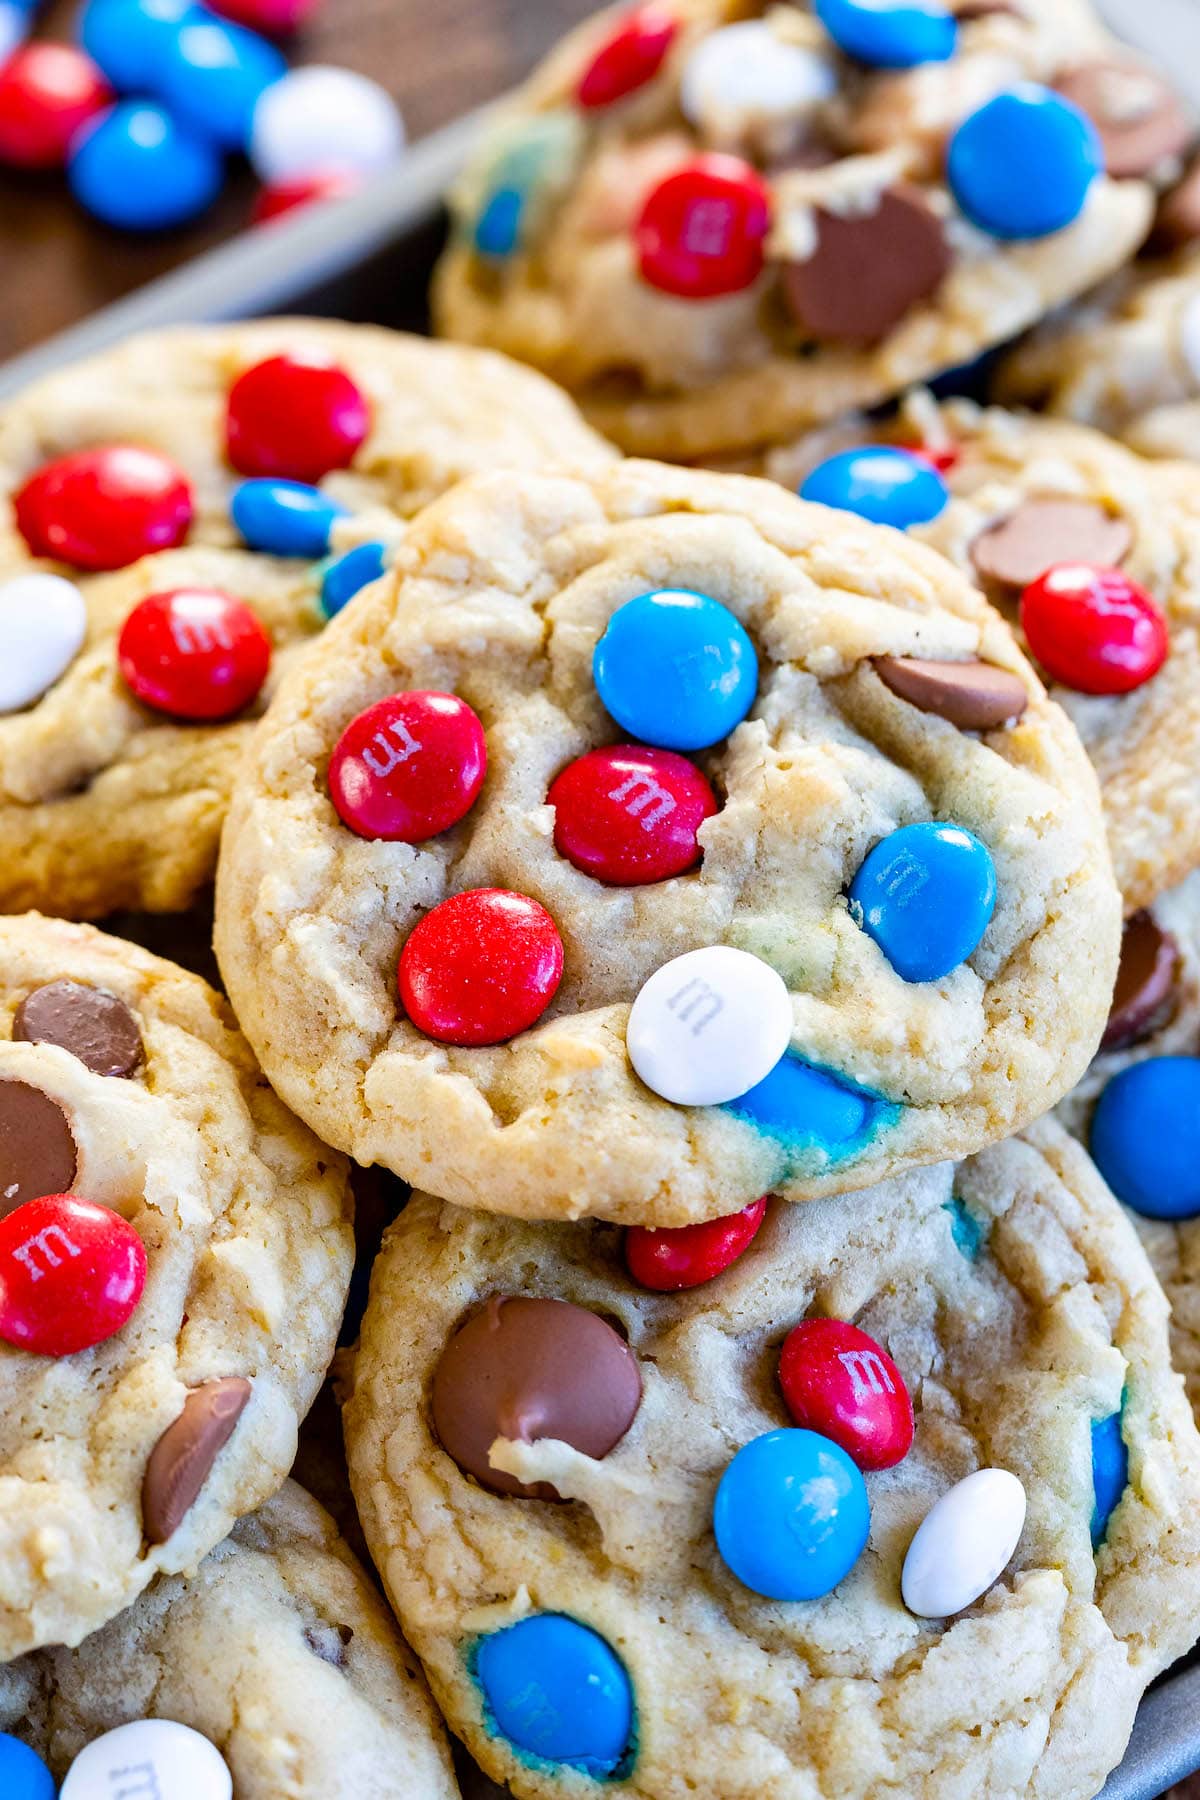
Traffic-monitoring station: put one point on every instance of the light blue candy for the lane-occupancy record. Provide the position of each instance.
(966, 1230)
(558, 1692)
(890, 34)
(1110, 1472)
(809, 1108)
(139, 169)
(284, 518)
(357, 569)
(1145, 1137)
(926, 894)
(213, 75)
(1021, 166)
(885, 485)
(791, 1515)
(676, 670)
(129, 38)
(498, 227)
(23, 1774)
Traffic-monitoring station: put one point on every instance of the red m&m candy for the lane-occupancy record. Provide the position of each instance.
(71, 1274)
(1094, 629)
(481, 967)
(281, 197)
(194, 653)
(408, 767)
(702, 230)
(942, 457)
(628, 815)
(103, 509)
(838, 1381)
(272, 16)
(631, 56)
(47, 92)
(296, 416)
(669, 1261)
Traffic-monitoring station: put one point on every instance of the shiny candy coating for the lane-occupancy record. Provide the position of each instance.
(348, 574)
(630, 56)
(43, 624)
(838, 1381)
(806, 1107)
(676, 669)
(1145, 1137)
(708, 1025)
(749, 68)
(791, 1515)
(885, 485)
(181, 1764)
(297, 417)
(408, 767)
(498, 227)
(670, 1261)
(284, 518)
(480, 968)
(1110, 1472)
(128, 39)
(273, 16)
(926, 894)
(139, 169)
(71, 1275)
(628, 815)
(194, 653)
(890, 34)
(702, 231)
(278, 198)
(47, 93)
(212, 76)
(1094, 629)
(104, 508)
(556, 1690)
(23, 1774)
(1022, 166)
(320, 117)
(964, 1544)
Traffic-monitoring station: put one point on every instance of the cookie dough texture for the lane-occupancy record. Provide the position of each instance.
(106, 804)
(500, 595)
(246, 1221)
(685, 379)
(1010, 1352)
(277, 1649)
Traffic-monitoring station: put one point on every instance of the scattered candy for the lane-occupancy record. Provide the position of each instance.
(1022, 166)
(14, 29)
(556, 1690)
(37, 1149)
(526, 1369)
(298, 417)
(1144, 995)
(284, 518)
(194, 653)
(867, 270)
(632, 55)
(811, 1109)
(96, 1027)
(213, 75)
(838, 1381)
(926, 894)
(708, 1026)
(1014, 550)
(975, 696)
(481, 967)
(349, 574)
(668, 1261)
(43, 624)
(139, 169)
(277, 17)
(748, 68)
(182, 1459)
(71, 1275)
(1094, 629)
(676, 669)
(47, 93)
(324, 118)
(1145, 1137)
(890, 34)
(104, 508)
(879, 483)
(165, 1758)
(791, 1515)
(279, 198)
(23, 1774)
(702, 232)
(128, 39)
(1141, 120)
(629, 816)
(1110, 1472)
(964, 1544)
(408, 767)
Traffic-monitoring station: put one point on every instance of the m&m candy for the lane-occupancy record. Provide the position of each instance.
(408, 767)
(348, 574)
(748, 69)
(668, 1261)
(278, 198)
(273, 16)
(481, 967)
(926, 894)
(71, 1275)
(128, 39)
(890, 34)
(791, 1515)
(709, 1025)
(284, 518)
(23, 1774)
(556, 1690)
(140, 169)
(320, 117)
(676, 669)
(629, 57)
(1145, 1136)
(1022, 165)
(702, 231)
(628, 815)
(47, 93)
(213, 74)
(104, 508)
(1094, 629)
(810, 1108)
(166, 1758)
(43, 623)
(885, 485)
(838, 1381)
(964, 1544)
(194, 653)
(1110, 1472)
(298, 417)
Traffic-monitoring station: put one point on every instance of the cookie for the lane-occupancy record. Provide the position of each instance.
(175, 1252)
(161, 565)
(720, 224)
(637, 983)
(277, 1651)
(974, 1354)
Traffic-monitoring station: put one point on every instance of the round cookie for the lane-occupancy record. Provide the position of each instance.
(277, 1649)
(849, 834)
(1007, 1296)
(163, 1333)
(114, 777)
(719, 223)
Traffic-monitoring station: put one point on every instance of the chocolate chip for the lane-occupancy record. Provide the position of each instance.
(1178, 220)
(527, 1369)
(1015, 550)
(93, 1025)
(868, 268)
(181, 1460)
(1144, 996)
(1141, 120)
(37, 1151)
(967, 10)
(975, 696)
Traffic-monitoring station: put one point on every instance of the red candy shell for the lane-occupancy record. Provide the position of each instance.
(1094, 629)
(668, 1261)
(194, 653)
(104, 508)
(295, 416)
(408, 767)
(481, 967)
(838, 1381)
(702, 231)
(71, 1275)
(631, 56)
(629, 815)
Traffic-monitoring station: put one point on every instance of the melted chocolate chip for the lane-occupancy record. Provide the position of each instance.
(1144, 996)
(93, 1025)
(182, 1459)
(868, 268)
(975, 696)
(1141, 120)
(1013, 551)
(37, 1151)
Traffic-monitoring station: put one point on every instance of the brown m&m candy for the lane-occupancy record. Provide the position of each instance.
(868, 268)
(182, 1459)
(93, 1025)
(1013, 551)
(1145, 989)
(1141, 120)
(975, 696)
(37, 1151)
(526, 1369)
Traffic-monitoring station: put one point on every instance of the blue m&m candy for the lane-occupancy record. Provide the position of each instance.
(676, 669)
(1145, 1137)
(791, 1515)
(926, 894)
(213, 74)
(1021, 166)
(1110, 1471)
(498, 227)
(811, 1109)
(130, 38)
(556, 1690)
(139, 169)
(890, 34)
(349, 574)
(885, 485)
(23, 1774)
(284, 518)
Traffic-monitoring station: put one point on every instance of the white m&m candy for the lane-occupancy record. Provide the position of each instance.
(151, 1759)
(43, 622)
(745, 72)
(964, 1544)
(709, 1026)
(324, 118)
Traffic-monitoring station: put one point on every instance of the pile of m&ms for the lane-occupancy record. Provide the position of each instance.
(145, 111)
(162, 1757)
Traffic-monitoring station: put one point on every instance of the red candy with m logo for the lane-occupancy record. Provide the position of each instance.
(840, 1382)
(71, 1275)
(409, 767)
(629, 815)
(703, 230)
(194, 653)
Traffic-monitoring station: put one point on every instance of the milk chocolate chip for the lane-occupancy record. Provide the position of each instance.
(1013, 551)
(1178, 220)
(1140, 118)
(868, 268)
(1144, 996)
(528, 1369)
(975, 696)
(183, 1457)
(37, 1150)
(94, 1026)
